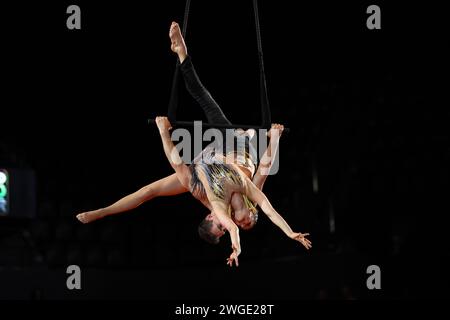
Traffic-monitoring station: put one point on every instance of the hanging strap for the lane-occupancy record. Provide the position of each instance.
(173, 102)
(266, 120)
(265, 107)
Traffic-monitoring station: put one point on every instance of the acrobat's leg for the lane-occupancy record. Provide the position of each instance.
(213, 112)
(167, 186)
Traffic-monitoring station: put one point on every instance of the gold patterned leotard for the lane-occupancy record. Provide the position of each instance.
(212, 163)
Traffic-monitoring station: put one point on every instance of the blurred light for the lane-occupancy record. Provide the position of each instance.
(4, 192)
(3, 177)
(332, 221)
(315, 179)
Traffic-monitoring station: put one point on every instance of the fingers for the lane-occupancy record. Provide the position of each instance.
(304, 239)
(83, 217)
(231, 259)
(280, 127)
(305, 242)
(163, 122)
(277, 126)
(158, 121)
(80, 217)
(300, 235)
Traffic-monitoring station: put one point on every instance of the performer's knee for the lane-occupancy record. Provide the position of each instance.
(147, 192)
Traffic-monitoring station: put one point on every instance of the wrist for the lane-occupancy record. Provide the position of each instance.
(276, 138)
(164, 132)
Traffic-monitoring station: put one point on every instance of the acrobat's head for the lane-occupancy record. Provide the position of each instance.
(210, 229)
(248, 221)
(245, 217)
(245, 213)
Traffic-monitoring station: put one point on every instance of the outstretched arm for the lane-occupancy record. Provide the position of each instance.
(171, 152)
(220, 210)
(265, 165)
(260, 198)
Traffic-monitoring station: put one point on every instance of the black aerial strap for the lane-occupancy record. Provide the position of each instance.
(265, 108)
(173, 102)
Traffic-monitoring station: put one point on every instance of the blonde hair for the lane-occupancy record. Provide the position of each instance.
(249, 204)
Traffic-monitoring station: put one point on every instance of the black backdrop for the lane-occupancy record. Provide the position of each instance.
(362, 109)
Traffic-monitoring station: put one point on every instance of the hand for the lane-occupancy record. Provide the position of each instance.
(276, 128)
(233, 257)
(300, 237)
(163, 124)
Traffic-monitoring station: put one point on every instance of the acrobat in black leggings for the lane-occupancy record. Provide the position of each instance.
(211, 108)
(213, 112)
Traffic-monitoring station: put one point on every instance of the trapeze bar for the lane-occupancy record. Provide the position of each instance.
(213, 125)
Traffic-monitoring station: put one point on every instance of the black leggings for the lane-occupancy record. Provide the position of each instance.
(212, 110)
(196, 89)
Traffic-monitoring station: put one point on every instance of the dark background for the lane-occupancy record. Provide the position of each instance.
(364, 113)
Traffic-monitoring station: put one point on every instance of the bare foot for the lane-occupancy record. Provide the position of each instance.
(89, 216)
(177, 42)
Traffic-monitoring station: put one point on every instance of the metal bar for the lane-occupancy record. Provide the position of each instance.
(214, 125)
